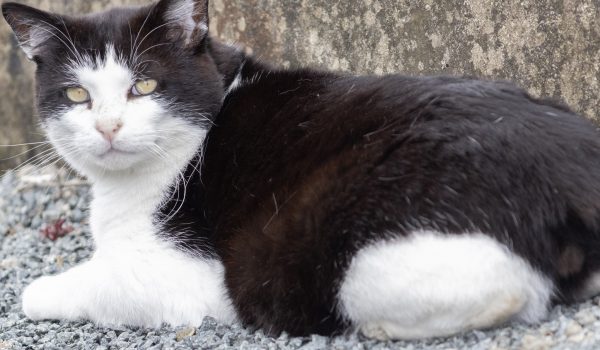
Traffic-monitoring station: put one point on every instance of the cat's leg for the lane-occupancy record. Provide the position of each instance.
(131, 288)
(99, 291)
(429, 284)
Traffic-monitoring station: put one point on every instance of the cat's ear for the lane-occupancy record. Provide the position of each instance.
(32, 27)
(187, 20)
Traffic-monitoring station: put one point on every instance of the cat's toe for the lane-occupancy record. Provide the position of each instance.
(35, 300)
(374, 331)
(42, 300)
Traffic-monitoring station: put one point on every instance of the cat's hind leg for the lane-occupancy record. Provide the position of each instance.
(429, 284)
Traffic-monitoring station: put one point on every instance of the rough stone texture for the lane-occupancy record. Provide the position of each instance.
(550, 47)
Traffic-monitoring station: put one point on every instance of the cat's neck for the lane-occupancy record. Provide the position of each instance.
(133, 196)
(137, 193)
(236, 67)
(229, 60)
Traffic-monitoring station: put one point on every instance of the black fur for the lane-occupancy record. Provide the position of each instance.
(303, 168)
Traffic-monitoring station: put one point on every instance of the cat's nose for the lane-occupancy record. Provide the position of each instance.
(108, 128)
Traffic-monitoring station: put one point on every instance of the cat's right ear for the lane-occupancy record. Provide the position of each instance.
(31, 26)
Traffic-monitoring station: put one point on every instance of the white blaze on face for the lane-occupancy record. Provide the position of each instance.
(146, 123)
(108, 85)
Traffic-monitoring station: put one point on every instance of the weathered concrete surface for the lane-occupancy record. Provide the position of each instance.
(551, 47)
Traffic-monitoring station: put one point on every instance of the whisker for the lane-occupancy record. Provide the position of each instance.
(70, 39)
(73, 50)
(148, 49)
(26, 144)
(24, 152)
(138, 34)
(149, 33)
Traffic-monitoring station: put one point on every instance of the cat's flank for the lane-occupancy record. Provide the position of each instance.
(304, 201)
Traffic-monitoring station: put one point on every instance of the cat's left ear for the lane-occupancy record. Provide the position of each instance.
(33, 28)
(187, 20)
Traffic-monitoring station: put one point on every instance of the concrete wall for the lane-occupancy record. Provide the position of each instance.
(551, 47)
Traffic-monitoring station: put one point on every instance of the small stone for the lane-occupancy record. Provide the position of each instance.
(497, 347)
(185, 333)
(585, 317)
(9, 262)
(36, 222)
(30, 198)
(577, 338)
(111, 335)
(535, 342)
(50, 215)
(77, 215)
(573, 328)
(60, 261)
(66, 337)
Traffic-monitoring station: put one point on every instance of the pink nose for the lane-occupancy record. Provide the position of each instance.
(108, 128)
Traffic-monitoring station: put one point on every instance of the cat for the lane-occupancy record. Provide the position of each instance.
(301, 200)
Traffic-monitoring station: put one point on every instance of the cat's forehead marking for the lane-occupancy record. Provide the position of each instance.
(107, 74)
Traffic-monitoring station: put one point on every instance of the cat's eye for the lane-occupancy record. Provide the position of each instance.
(77, 94)
(144, 87)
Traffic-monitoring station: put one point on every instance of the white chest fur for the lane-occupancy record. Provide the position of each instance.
(134, 277)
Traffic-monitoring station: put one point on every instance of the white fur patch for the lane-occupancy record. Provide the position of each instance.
(430, 284)
(236, 83)
(134, 277)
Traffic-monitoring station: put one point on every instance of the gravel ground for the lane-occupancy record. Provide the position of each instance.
(29, 199)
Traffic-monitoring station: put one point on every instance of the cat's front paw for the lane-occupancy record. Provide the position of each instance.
(47, 298)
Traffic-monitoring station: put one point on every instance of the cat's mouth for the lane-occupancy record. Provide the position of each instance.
(114, 151)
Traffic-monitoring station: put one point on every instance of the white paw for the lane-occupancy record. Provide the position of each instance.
(47, 298)
(374, 331)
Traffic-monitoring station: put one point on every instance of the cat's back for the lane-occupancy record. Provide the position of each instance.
(299, 130)
(295, 121)
(298, 99)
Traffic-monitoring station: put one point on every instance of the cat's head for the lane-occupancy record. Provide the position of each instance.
(120, 89)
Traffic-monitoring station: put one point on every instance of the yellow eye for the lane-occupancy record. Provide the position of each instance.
(144, 87)
(77, 94)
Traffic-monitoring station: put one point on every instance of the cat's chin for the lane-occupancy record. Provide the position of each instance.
(114, 161)
(113, 152)
(117, 160)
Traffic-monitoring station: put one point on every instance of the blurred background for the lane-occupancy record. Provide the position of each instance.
(550, 47)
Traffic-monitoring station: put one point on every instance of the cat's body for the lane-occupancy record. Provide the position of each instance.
(310, 201)
(342, 200)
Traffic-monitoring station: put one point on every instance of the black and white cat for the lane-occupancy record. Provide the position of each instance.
(304, 201)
